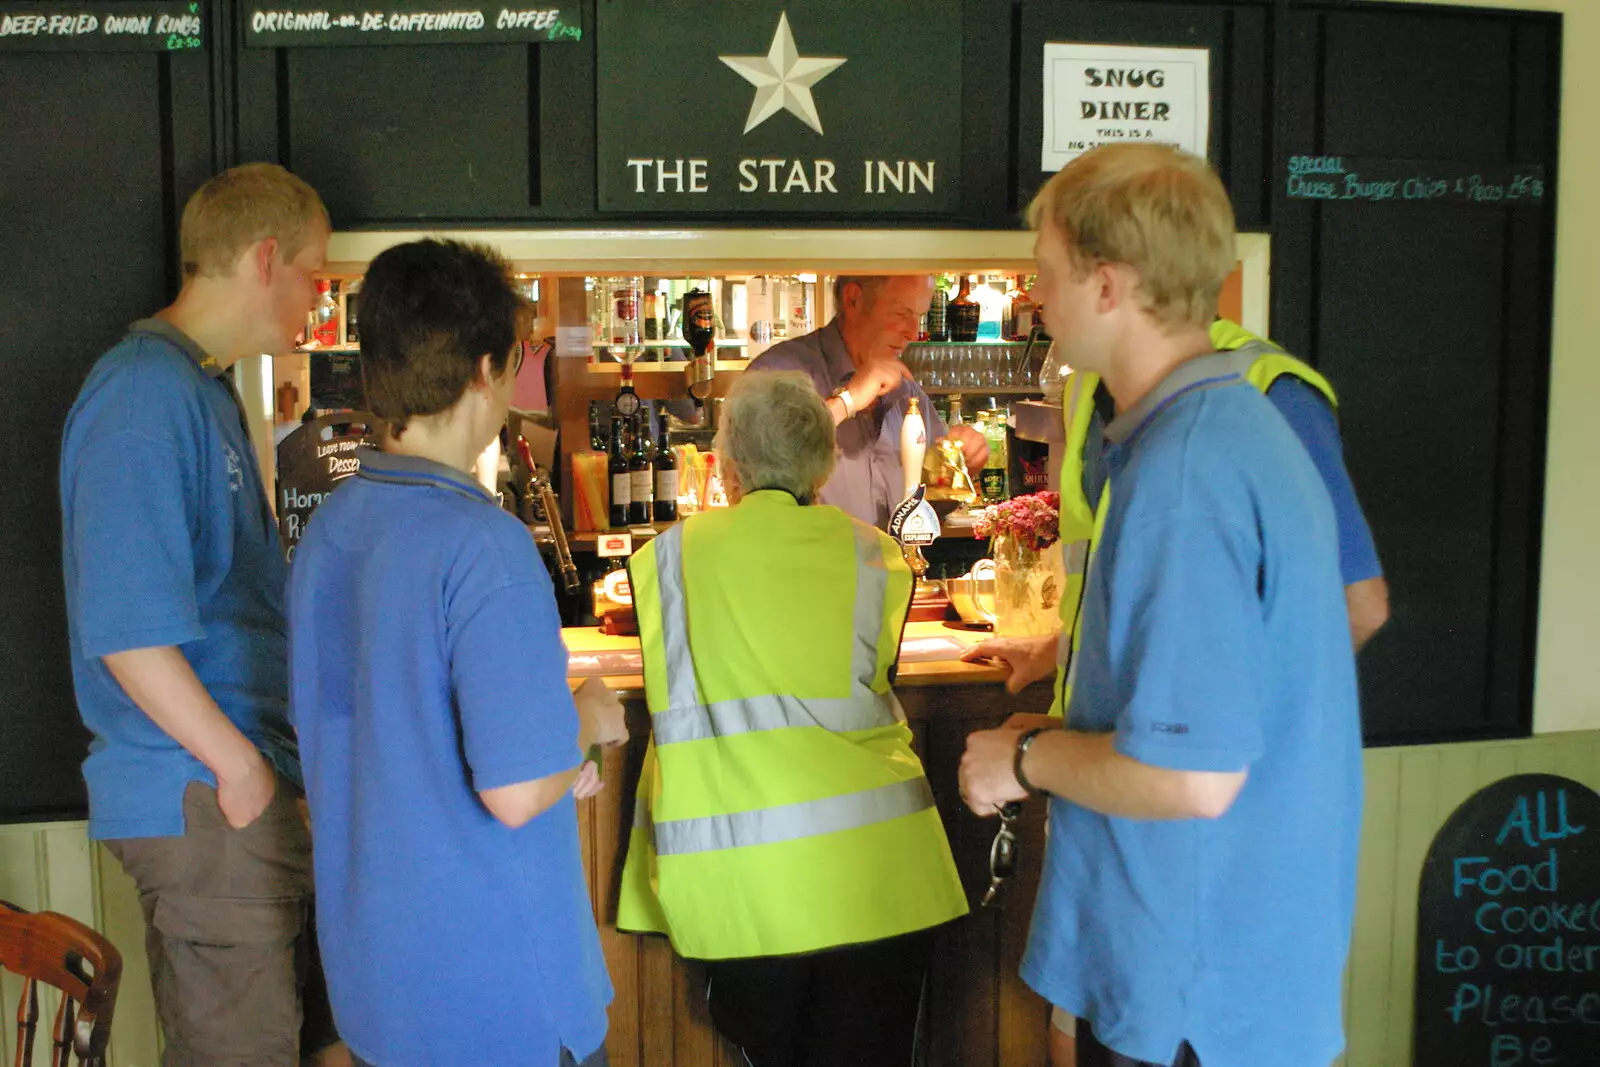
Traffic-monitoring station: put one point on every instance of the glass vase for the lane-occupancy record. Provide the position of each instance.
(1027, 587)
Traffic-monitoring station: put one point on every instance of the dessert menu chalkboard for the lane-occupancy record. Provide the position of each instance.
(1508, 931)
(312, 460)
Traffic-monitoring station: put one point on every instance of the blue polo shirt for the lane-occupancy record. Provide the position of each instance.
(427, 665)
(1313, 421)
(1214, 639)
(167, 539)
(866, 481)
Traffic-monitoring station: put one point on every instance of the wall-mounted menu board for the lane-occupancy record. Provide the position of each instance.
(1508, 930)
(106, 26)
(312, 23)
(1412, 181)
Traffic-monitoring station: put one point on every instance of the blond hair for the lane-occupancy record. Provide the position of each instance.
(241, 206)
(1157, 209)
(776, 433)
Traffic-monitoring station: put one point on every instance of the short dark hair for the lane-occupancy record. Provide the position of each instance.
(429, 311)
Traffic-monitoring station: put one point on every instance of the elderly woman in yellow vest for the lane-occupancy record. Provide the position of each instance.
(784, 831)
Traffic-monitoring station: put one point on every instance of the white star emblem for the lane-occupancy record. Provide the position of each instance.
(783, 79)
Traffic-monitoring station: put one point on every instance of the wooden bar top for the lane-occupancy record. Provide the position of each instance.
(927, 657)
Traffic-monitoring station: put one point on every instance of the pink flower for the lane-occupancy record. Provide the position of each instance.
(1033, 519)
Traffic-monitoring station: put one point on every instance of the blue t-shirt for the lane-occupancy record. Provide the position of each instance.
(1315, 424)
(1312, 419)
(426, 666)
(167, 539)
(1214, 639)
(866, 482)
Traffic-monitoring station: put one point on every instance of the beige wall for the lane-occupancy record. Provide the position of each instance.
(1567, 684)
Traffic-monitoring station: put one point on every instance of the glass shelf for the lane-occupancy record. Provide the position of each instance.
(664, 367)
(971, 344)
(722, 342)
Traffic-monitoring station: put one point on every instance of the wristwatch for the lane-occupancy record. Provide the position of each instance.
(843, 395)
(1024, 743)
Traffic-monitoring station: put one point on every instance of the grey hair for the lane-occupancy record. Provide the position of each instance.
(776, 433)
(870, 284)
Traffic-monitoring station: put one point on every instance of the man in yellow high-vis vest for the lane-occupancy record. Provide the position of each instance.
(784, 830)
(1307, 402)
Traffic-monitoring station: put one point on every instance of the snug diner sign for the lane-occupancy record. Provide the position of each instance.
(797, 107)
(346, 23)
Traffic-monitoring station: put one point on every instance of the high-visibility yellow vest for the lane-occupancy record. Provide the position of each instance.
(780, 809)
(1258, 361)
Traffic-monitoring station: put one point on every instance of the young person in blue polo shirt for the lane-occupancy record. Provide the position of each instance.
(441, 742)
(174, 582)
(1199, 879)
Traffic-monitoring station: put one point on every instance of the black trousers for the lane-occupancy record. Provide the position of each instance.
(1092, 1053)
(844, 1007)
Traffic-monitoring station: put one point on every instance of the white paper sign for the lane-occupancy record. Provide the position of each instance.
(1098, 94)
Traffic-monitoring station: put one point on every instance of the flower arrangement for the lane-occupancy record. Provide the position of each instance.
(1032, 519)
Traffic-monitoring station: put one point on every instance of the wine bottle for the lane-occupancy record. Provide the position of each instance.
(666, 477)
(621, 476)
(641, 476)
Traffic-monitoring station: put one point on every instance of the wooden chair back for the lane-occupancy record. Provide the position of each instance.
(43, 947)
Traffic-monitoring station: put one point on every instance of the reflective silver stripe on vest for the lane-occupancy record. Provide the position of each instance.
(790, 822)
(872, 587)
(1075, 555)
(776, 712)
(683, 690)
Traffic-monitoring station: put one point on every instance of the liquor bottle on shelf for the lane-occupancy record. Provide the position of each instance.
(621, 476)
(641, 475)
(997, 468)
(700, 330)
(652, 320)
(938, 321)
(1023, 311)
(666, 477)
(324, 326)
(352, 296)
(964, 313)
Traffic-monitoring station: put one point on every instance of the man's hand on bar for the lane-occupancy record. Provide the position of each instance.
(1024, 659)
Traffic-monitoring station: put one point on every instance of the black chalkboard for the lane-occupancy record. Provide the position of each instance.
(317, 456)
(1414, 181)
(360, 23)
(102, 26)
(1508, 930)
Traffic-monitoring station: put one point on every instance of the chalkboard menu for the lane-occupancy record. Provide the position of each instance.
(317, 456)
(1413, 181)
(1508, 932)
(104, 26)
(320, 23)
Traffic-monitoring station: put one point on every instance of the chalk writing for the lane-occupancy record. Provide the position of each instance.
(312, 461)
(1379, 180)
(355, 22)
(1509, 930)
(159, 26)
